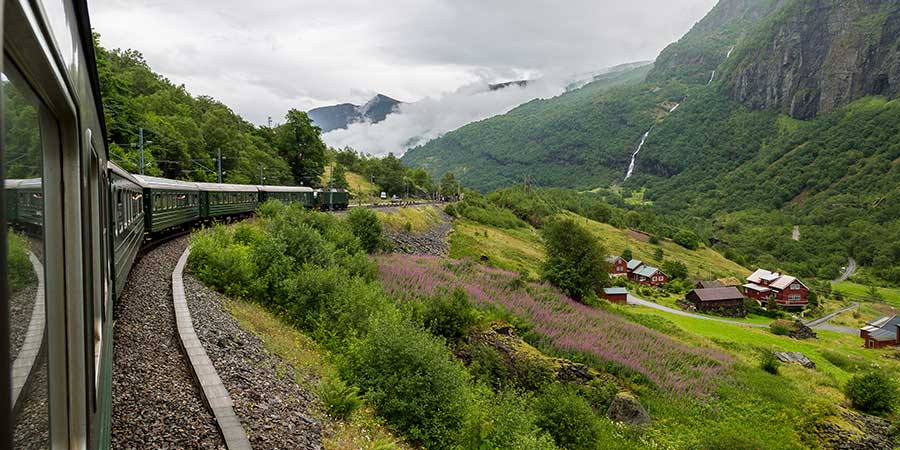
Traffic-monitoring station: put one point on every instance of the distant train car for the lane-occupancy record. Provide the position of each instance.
(126, 198)
(287, 194)
(227, 200)
(168, 203)
(331, 199)
(25, 202)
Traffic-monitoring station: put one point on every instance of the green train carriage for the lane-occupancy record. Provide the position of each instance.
(331, 199)
(227, 200)
(287, 194)
(168, 203)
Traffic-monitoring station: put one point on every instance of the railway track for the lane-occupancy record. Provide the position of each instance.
(155, 402)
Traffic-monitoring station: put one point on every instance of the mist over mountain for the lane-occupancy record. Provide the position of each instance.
(335, 117)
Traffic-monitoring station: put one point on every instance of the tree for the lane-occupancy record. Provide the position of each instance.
(659, 254)
(338, 179)
(575, 259)
(449, 185)
(627, 255)
(366, 226)
(687, 239)
(298, 142)
(675, 269)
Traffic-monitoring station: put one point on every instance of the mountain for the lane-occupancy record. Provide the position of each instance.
(330, 118)
(767, 113)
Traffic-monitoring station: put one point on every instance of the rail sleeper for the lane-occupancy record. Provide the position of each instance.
(211, 387)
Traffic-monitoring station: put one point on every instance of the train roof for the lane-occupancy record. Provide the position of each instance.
(285, 188)
(118, 170)
(165, 183)
(22, 183)
(222, 187)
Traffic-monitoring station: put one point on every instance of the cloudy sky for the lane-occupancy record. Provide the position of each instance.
(267, 56)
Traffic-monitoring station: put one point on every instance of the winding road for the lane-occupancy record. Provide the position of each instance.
(848, 271)
(818, 324)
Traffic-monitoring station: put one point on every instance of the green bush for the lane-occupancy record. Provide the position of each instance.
(220, 262)
(781, 327)
(575, 259)
(873, 392)
(769, 362)
(687, 239)
(449, 314)
(568, 418)
(21, 273)
(504, 421)
(413, 381)
(451, 210)
(366, 226)
(340, 399)
(675, 269)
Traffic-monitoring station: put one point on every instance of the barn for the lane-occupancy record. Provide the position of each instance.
(615, 295)
(721, 300)
(881, 332)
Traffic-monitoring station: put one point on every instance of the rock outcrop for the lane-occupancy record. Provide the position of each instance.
(816, 56)
(626, 408)
(850, 430)
(795, 358)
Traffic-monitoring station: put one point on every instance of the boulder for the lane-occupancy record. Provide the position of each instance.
(626, 408)
(801, 331)
(795, 358)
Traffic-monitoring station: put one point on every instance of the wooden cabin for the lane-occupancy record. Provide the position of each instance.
(618, 267)
(725, 300)
(615, 295)
(882, 332)
(649, 275)
(788, 291)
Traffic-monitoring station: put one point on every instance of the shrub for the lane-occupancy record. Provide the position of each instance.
(781, 327)
(340, 399)
(675, 269)
(504, 420)
(451, 210)
(687, 239)
(449, 314)
(568, 418)
(21, 273)
(270, 208)
(873, 392)
(655, 241)
(366, 226)
(412, 380)
(575, 259)
(216, 260)
(627, 255)
(659, 254)
(769, 362)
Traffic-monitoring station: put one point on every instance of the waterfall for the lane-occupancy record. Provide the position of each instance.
(634, 155)
(729, 52)
(711, 78)
(675, 107)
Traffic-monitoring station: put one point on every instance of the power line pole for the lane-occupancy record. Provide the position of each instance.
(219, 162)
(141, 145)
(261, 175)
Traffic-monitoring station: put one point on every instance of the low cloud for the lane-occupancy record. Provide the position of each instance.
(419, 122)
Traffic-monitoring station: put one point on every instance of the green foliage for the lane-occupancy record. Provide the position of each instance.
(873, 392)
(567, 417)
(504, 421)
(476, 207)
(626, 255)
(449, 314)
(20, 272)
(675, 269)
(451, 210)
(575, 259)
(409, 376)
(687, 239)
(367, 227)
(449, 185)
(768, 362)
(340, 399)
(781, 327)
(843, 361)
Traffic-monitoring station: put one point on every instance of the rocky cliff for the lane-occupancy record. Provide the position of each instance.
(813, 56)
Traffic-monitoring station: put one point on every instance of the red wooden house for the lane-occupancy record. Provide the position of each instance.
(882, 332)
(615, 295)
(618, 267)
(788, 291)
(649, 275)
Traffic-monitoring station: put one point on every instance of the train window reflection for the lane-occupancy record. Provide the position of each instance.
(24, 213)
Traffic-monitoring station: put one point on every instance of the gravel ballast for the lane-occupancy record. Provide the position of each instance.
(155, 403)
(430, 242)
(274, 410)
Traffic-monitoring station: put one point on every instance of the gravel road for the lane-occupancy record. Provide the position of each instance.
(155, 402)
(273, 408)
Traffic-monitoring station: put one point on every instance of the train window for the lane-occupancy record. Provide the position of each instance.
(120, 213)
(23, 274)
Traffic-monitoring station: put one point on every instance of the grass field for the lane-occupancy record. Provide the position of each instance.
(702, 263)
(858, 292)
(519, 249)
(416, 220)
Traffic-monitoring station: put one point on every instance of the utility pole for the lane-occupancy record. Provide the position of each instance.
(141, 145)
(261, 174)
(219, 164)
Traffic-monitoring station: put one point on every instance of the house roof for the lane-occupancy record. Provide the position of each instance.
(634, 264)
(613, 258)
(729, 281)
(763, 275)
(757, 287)
(615, 291)
(647, 271)
(883, 328)
(785, 281)
(718, 294)
(709, 284)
